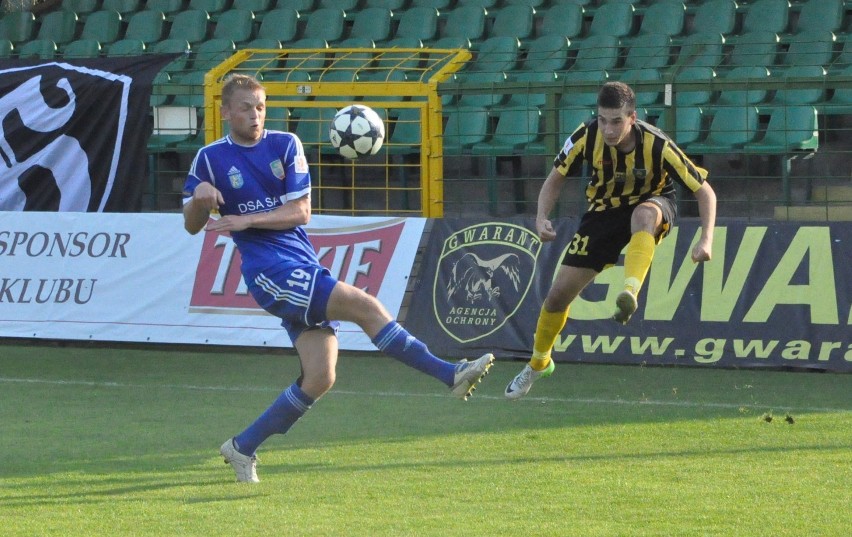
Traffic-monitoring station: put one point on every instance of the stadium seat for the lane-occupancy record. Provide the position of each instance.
(168, 7)
(102, 26)
(596, 53)
(125, 7)
(757, 48)
(480, 99)
(649, 51)
(280, 24)
(342, 5)
(715, 17)
(564, 20)
(405, 137)
(465, 127)
(745, 76)
(841, 100)
(302, 6)
(811, 47)
(211, 53)
(582, 88)
(686, 128)
(7, 49)
(82, 48)
(236, 25)
(126, 47)
(513, 21)
(312, 127)
(569, 119)
(730, 129)
(809, 96)
(191, 25)
(766, 16)
(146, 26)
(325, 23)
(486, 4)
(613, 19)
(701, 50)
(373, 23)
(418, 23)
(392, 5)
(173, 46)
(645, 97)
(694, 97)
(664, 18)
(790, 128)
(547, 53)
(348, 60)
(214, 8)
(532, 3)
(81, 7)
(496, 54)
(258, 7)
(43, 49)
(530, 97)
(407, 62)
(467, 22)
(437, 4)
(17, 26)
(58, 26)
(821, 15)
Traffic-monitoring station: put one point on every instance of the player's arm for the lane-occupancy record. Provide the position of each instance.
(294, 213)
(706, 197)
(196, 211)
(550, 191)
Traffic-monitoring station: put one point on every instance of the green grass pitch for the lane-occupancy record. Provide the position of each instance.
(121, 441)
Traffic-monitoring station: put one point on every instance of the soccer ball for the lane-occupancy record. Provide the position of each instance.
(357, 131)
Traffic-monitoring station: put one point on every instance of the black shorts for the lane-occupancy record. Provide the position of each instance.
(602, 235)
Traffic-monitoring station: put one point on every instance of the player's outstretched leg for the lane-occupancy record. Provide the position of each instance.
(626, 305)
(521, 384)
(469, 375)
(244, 466)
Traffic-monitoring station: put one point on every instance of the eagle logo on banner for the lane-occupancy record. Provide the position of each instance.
(71, 136)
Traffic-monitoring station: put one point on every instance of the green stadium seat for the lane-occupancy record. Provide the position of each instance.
(81, 7)
(325, 23)
(465, 127)
(802, 96)
(158, 98)
(811, 47)
(58, 26)
(302, 6)
(494, 79)
(342, 5)
(404, 137)
(191, 25)
(146, 26)
(82, 48)
(258, 7)
(841, 100)
(547, 53)
(173, 46)
(393, 5)
(790, 128)
(686, 128)
(126, 47)
(486, 4)
(125, 7)
(7, 49)
(570, 118)
(437, 4)
(766, 16)
(649, 51)
(496, 54)
(564, 20)
(730, 129)
(757, 48)
(513, 21)
(211, 53)
(821, 15)
(419, 23)
(43, 49)
(535, 80)
(312, 127)
(402, 61)
(701, 50)
(582, 88)
(467, 22)
(715, 17)
(102, 26)
(694, 97)
(17, 26)
(357, 61)
(280, 24)
(746, 76)
(644, 96)
(214, 8)
(236, 25)
(169, 7)
(613, 20)
(373, 23)
(306, 61)
(664, 18)
(596, 53)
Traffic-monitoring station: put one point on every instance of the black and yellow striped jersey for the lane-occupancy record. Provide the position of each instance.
(618, 178)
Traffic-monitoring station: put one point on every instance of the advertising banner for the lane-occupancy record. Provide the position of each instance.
(775, 295)
(142, 278)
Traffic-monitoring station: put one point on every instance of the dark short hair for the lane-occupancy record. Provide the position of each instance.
(615, 95)
(237, 82)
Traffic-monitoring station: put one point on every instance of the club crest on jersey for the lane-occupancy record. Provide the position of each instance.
(640, 174)
(277, 168)
(235, 177)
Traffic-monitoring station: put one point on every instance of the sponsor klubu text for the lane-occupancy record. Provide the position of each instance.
(65, 244)
(44, 290)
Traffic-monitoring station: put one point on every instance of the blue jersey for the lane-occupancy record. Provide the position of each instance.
(258, 179)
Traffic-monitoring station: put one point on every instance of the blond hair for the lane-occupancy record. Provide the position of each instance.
(237, 82)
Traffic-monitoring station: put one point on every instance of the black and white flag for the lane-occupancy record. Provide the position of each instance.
(73, 134)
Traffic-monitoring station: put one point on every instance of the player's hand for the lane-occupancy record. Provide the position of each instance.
(229, 223)
(702, 252)
(545, 229)
(208, 197)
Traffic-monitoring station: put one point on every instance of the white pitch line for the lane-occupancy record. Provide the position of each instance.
(543, 400)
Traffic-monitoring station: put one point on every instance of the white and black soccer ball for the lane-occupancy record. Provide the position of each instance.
(357, 131)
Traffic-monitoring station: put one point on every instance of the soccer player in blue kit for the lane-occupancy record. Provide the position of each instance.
(258, 181)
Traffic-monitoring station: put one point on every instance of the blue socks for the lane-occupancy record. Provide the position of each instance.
(277, 419)
(396, 342)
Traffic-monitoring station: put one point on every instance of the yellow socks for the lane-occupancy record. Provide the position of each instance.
(637, 260)
(548, 327)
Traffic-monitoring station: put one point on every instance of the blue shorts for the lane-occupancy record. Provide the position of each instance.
(298, 295)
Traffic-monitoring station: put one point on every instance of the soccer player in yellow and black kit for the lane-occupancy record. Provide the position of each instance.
(631, 197)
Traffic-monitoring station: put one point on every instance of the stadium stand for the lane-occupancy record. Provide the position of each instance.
(103, 26)
(17, 26)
